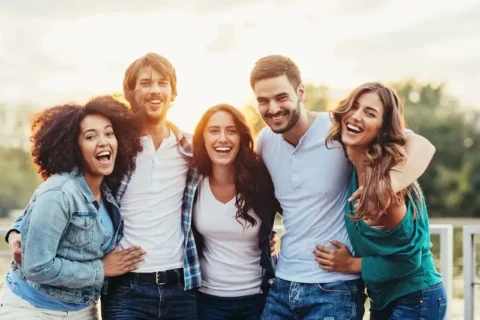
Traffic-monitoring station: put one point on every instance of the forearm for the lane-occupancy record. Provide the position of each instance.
(419, 154)
(61, 272)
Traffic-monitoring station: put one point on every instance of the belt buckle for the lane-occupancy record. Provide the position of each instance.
(157, 280)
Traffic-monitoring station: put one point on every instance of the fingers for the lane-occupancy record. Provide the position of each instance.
(337, 244)
(127, 251)
(135, 256)
(324, 249)
(324, 264)
(356, 195)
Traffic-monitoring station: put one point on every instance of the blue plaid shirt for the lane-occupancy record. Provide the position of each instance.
(191, 263)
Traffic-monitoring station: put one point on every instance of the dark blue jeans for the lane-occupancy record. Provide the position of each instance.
(428, 304)
(132, 301)
(232, 308)
(311, 301)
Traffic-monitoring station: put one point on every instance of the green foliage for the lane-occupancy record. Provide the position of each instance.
(452, 181)
(18, 177)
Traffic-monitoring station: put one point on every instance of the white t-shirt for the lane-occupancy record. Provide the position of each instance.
(311, 184)
(152, 205)
(230, 258)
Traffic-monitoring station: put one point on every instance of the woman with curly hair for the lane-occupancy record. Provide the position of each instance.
(72, 224)
(392, 252)
(230, 195)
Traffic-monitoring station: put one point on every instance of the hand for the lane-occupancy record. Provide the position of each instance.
(372, 212)
(119, 262)
(15, 244)
(339, 260)
(273, 243)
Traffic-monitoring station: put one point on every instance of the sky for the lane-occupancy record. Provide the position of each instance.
(54, 51)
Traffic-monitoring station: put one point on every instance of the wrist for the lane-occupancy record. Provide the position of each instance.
(355, 265)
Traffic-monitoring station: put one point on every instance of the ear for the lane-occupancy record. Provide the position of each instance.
(301, 92)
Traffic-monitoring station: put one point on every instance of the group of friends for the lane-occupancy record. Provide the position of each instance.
(158, 224)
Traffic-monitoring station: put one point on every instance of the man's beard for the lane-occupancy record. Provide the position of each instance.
(143, 117)
(294, 118)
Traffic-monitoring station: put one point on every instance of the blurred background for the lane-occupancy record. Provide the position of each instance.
(54, 51)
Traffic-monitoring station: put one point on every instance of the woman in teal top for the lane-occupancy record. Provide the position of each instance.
(389, 232)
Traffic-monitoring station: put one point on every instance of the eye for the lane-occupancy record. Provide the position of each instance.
(214, 131)
(110, 134)
(232, 131)
(371, 114)
(90, 137)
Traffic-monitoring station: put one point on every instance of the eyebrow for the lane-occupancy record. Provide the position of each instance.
(372, 109)
(277, 96)
(94, 130)
(228, 127)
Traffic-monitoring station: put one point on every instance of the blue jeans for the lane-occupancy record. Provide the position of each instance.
(128, 300)
(231, 308)
(428, 304)
(341, 300)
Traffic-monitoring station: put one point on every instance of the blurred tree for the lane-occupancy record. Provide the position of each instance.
(19, 178)
(452, 181)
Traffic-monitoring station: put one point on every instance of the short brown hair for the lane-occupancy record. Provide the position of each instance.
(275, 66)
(157, 62)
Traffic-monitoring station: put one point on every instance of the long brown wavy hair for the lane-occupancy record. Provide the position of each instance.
(384, 152)
(251, 175)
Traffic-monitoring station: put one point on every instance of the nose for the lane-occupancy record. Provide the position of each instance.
(102, 141)
(223, 136)
(274, 107)
(155, 88)
(357, 114)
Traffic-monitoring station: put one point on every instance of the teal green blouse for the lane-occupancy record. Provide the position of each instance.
(395, 262)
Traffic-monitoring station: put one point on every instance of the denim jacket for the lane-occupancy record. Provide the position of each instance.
(62, 237)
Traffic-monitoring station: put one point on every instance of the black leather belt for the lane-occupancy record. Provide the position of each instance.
(173, 276)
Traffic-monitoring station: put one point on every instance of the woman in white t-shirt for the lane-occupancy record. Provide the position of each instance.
(233, 214)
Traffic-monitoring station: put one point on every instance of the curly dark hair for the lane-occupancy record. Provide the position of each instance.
(55, 137)
(251, 175)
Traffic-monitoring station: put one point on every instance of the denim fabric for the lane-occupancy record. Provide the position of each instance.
(230, 308)
(428, 304)
(340, 300)
(62, 238)
(128, 300)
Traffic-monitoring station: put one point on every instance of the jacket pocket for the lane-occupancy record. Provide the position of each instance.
(80, 231)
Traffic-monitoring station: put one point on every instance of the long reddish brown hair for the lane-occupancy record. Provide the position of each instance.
(251, 175)
(384, 152)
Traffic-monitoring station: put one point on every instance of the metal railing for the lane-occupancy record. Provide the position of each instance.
(446, 259)
(469, 273)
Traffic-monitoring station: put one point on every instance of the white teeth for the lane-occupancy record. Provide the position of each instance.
(277, 117)
(104, 153)
(155, 101)
(223, 149)
(354, 128)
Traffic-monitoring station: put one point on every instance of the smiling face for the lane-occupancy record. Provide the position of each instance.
(362, 124)
(279, 103)
(153, 94)
(97, 144)
(222, 140)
